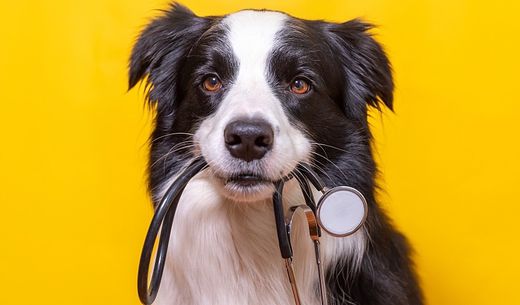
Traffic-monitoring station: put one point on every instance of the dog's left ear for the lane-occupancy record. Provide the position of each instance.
(365, 65)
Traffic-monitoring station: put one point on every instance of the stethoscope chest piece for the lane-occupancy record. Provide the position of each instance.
(342, 211)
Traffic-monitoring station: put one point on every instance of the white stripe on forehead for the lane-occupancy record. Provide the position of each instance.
(252, 36)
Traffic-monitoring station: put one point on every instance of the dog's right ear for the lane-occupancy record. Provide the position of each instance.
(161, 48)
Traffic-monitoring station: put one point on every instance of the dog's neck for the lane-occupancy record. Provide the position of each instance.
(224, 252)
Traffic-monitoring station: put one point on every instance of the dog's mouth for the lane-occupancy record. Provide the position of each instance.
(246, 186)
(246, 180)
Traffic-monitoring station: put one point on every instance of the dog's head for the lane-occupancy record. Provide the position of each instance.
(257, 92)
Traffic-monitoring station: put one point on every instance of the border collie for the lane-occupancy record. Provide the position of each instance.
(255, 93)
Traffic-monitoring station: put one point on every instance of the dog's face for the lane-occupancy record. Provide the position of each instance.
(257, 92)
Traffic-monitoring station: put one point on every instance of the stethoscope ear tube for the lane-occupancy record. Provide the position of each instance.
(307, 171)
(303, 174)
(307, 194)
(163, 218)
(279, 218)
(306, 190)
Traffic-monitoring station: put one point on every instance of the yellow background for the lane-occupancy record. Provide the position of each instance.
(74, 207)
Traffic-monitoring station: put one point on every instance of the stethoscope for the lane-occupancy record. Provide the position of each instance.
(340, 211)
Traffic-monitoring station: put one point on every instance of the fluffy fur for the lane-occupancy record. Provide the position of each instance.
(223, 248)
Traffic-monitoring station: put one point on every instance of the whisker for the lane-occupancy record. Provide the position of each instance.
(173, 149)
(172, 152)
(321, 167)
(330, 146)
(173, 134)
(327, 159)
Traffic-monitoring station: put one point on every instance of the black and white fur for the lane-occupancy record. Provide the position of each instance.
(223, 247)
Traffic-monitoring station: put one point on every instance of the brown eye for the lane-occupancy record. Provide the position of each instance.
(212, 83)
(300, 86)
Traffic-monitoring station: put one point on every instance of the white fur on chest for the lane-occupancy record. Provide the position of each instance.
(227, 253)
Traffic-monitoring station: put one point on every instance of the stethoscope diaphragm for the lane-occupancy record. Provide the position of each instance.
(341, 211)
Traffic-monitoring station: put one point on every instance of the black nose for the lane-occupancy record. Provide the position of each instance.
(248, 139)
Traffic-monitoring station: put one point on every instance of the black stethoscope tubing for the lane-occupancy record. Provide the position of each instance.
(162, 220)
(302, 173)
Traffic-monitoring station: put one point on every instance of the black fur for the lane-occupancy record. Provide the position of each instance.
(348, 71)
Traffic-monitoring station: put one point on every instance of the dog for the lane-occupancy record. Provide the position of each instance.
(255, 93)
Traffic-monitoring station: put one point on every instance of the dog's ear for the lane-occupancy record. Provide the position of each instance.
(161, 49)
(365, 65)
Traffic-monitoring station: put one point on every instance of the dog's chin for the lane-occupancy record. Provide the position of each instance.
(246, 188)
